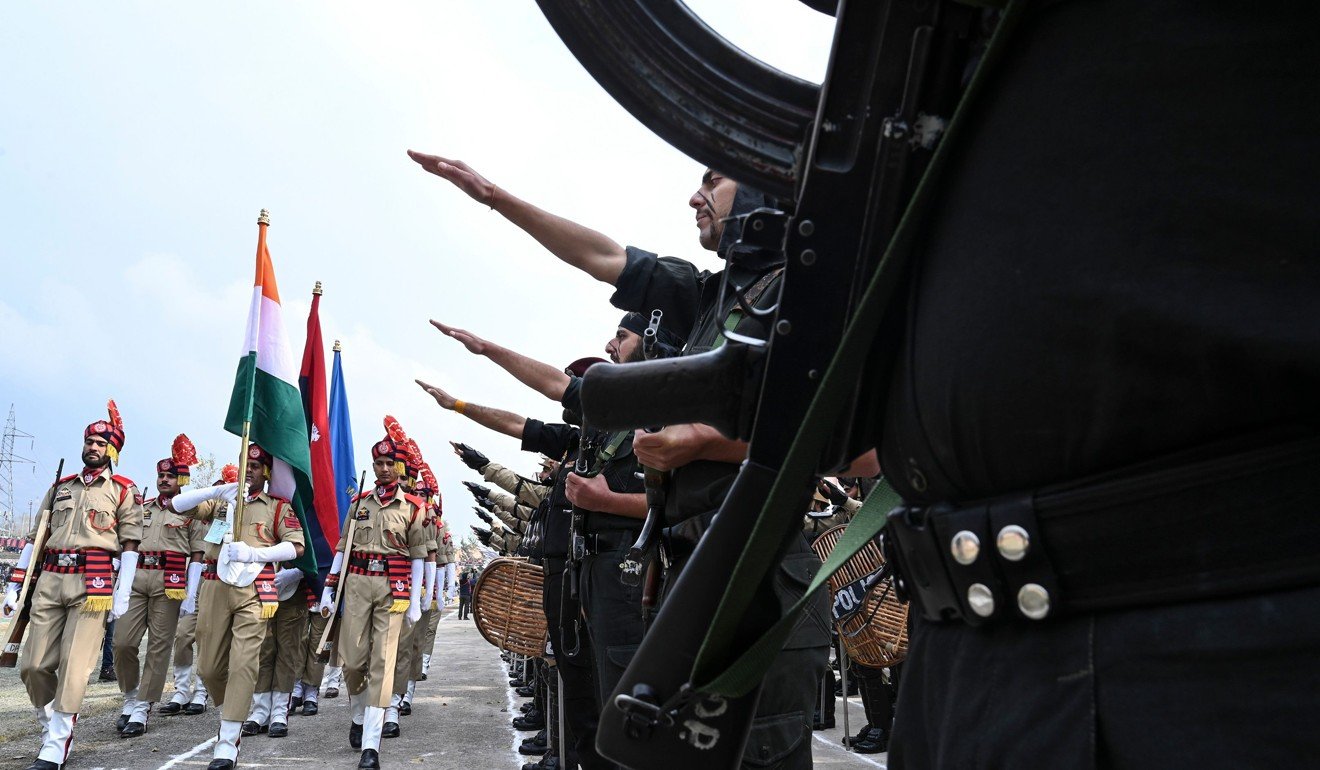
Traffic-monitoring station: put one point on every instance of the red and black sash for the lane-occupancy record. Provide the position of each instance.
(97, 568)
(264, 585)
(175, 567)
(398, 571)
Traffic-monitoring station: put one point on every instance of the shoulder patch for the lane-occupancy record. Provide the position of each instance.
(124, 480)
(362, 496)
(70, 477)
(278, 500)
(291, 521)
(415, 500)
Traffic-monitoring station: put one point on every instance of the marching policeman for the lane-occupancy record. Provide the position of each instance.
(232, 618)
(159, 588)
(382, 582)
(94, 517)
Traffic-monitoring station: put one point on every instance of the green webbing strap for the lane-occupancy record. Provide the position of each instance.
(608, 451)
(763, 544)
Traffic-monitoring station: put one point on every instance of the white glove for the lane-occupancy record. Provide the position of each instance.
(11, 599)
(244, 554)
(327, 602)
(428, 583)
(286, 582)
(189, 604)
(186, 501)
(415, 593)
(128, 561)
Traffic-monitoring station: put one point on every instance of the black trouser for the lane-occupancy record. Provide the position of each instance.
(780, 738)
(464, 607)
(878, 696)
(614, 618)
(578, 689)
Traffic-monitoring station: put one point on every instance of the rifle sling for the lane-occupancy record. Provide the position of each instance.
(764, 544)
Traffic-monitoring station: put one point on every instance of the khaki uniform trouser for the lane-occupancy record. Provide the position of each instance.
(149, 612)
(313, 669)
(230, 631)
(408, 662)
(63, 643)
(184, 636)
(432, 620)
(369, 638)
(285, 646)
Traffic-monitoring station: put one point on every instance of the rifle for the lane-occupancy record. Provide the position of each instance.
(330, 636)
(18, 626)
(847, 159)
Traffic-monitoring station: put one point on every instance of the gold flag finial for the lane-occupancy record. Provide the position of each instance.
(337, 348)
(264, 217)
(317, 289)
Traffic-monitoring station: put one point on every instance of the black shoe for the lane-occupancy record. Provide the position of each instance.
(515, 683)
(221, 764)
(133, 730)
(874, 741)
(193, 709)
(294, 703)
(355, 736)
(121, 722)
(170, 709)
(532, 720)
(310, 708)
(370, 760)
(405, 709)
(822, 724)
(526, 691)
(279, 730)
(252, 728)
(331, 692)
(528, 706)
(535, 746)
(423, 676)
(390, 730)
(41, 764)
(852, 688)
(108, 675)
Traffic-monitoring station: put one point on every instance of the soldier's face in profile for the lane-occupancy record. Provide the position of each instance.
(712, 202)
(625, 347)
(94, 454)
(384, 469)
(167, 483)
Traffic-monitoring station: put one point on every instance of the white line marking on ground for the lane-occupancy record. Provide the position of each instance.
(851, 754)
(189, 754)
(513, 712)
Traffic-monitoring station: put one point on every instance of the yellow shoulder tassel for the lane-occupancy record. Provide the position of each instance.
(176, 594)
(399, 605)
(98, 603)
(268, 610)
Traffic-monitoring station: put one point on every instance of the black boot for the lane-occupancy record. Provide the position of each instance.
(873, 741)
(121, 723)
(279, 730)
(133, 730)
(532, 720)
(370, 759)
(170, 709)
(221, 764)
(41, 764)
(537, 745)
(355, 736)
(390, 730)
(252, 728)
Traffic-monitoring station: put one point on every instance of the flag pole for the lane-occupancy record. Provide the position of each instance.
(263, 221)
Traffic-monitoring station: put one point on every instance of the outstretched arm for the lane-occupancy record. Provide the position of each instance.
(497, 420)
(589, 251)
(540, 377)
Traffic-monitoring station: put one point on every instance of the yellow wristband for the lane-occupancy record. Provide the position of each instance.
(459, 406)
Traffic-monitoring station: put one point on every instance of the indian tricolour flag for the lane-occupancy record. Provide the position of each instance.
(266, 394)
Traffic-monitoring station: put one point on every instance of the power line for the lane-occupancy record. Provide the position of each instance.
(7, 462)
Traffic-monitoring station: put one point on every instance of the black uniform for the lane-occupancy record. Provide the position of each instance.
(1122, 269)
(690, 298)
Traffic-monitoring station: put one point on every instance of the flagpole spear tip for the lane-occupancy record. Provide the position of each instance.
(317, 289)
(264, 217)
(337, 348)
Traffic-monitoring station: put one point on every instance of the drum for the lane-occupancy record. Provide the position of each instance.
(506, 604)
(867, 615)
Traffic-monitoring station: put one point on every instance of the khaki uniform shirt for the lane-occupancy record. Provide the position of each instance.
(389, 528)
(102, 514)
(529, 493)
(267, 520)
(165, 530)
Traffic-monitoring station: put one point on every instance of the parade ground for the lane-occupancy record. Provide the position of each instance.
(460, 719)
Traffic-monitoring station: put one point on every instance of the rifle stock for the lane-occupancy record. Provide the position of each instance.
(18, 626)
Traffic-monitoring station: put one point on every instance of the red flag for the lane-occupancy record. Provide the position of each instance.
(324, 526)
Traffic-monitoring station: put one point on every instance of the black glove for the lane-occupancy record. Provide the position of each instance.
(478, 491)
(486, 503)
(471, 457)
(834, 493)
(483, 515)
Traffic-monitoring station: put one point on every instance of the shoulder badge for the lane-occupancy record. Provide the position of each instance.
(291, 521)
(70, 477)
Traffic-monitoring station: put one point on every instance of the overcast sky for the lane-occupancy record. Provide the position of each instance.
(138, 141)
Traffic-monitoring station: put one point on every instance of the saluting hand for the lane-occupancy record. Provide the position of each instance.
(442, 398)
(472, 342)
(457, 173)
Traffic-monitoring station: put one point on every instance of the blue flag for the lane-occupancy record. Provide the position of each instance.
(341, 441)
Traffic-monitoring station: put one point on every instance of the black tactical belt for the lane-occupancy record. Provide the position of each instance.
(610, 540)
(1236, 524)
